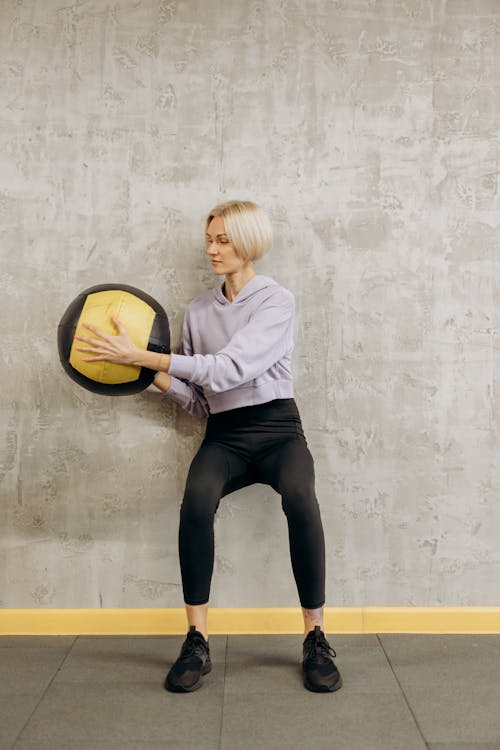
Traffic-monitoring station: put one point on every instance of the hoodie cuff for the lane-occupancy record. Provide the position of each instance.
(178, 392)
(181, 366)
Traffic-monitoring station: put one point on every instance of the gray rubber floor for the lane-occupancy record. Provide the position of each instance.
(401, 692)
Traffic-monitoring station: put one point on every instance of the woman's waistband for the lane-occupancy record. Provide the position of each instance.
(279, 410)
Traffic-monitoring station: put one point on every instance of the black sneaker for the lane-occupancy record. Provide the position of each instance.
(320, 673)
(193, 662)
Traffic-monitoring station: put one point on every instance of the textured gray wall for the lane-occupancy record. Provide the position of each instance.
(369, 129)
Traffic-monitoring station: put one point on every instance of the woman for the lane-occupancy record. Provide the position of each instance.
(235, 369)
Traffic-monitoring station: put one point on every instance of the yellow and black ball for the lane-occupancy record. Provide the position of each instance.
(145, 320)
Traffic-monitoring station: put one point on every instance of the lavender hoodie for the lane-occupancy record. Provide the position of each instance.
(235, 353)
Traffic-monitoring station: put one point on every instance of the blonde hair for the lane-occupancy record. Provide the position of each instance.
(247, 226)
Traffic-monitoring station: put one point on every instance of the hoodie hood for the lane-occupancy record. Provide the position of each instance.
(256, 284)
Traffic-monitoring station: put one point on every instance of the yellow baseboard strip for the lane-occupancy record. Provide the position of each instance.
(431, 620)
(249, 621)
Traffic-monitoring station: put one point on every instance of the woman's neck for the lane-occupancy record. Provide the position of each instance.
(235, 282)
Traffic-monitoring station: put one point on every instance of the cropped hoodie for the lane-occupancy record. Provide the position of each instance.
(237, 353)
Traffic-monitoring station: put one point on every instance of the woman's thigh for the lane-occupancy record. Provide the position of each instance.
(290, 471)
(213, 470)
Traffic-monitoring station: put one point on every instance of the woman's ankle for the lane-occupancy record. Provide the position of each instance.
(312, 617)
(197, 615)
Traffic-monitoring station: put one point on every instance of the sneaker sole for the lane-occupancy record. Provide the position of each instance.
(325, 689)
(180, 689)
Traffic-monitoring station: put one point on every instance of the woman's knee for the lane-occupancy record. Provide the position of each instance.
(299, 501)
(204, 486)
(200, 503)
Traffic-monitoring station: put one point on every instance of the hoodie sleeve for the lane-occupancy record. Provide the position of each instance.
(187, 395)
(259, 344)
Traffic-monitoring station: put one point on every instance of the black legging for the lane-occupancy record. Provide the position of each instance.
(265, 444)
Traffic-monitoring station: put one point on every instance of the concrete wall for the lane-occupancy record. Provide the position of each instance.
(369, 129)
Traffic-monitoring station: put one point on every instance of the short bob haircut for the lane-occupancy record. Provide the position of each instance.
(247, 227)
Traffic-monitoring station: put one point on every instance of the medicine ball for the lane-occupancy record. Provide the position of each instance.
(146, 323)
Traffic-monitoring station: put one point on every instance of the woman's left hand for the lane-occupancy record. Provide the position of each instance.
(119, 349)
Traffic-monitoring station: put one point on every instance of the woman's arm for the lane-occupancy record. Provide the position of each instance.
(266, 338)
(121, 350)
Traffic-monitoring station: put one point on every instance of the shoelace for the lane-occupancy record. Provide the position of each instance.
(193, 646)
(317, 649)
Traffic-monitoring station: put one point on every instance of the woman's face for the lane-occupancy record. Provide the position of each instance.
(220, 251)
